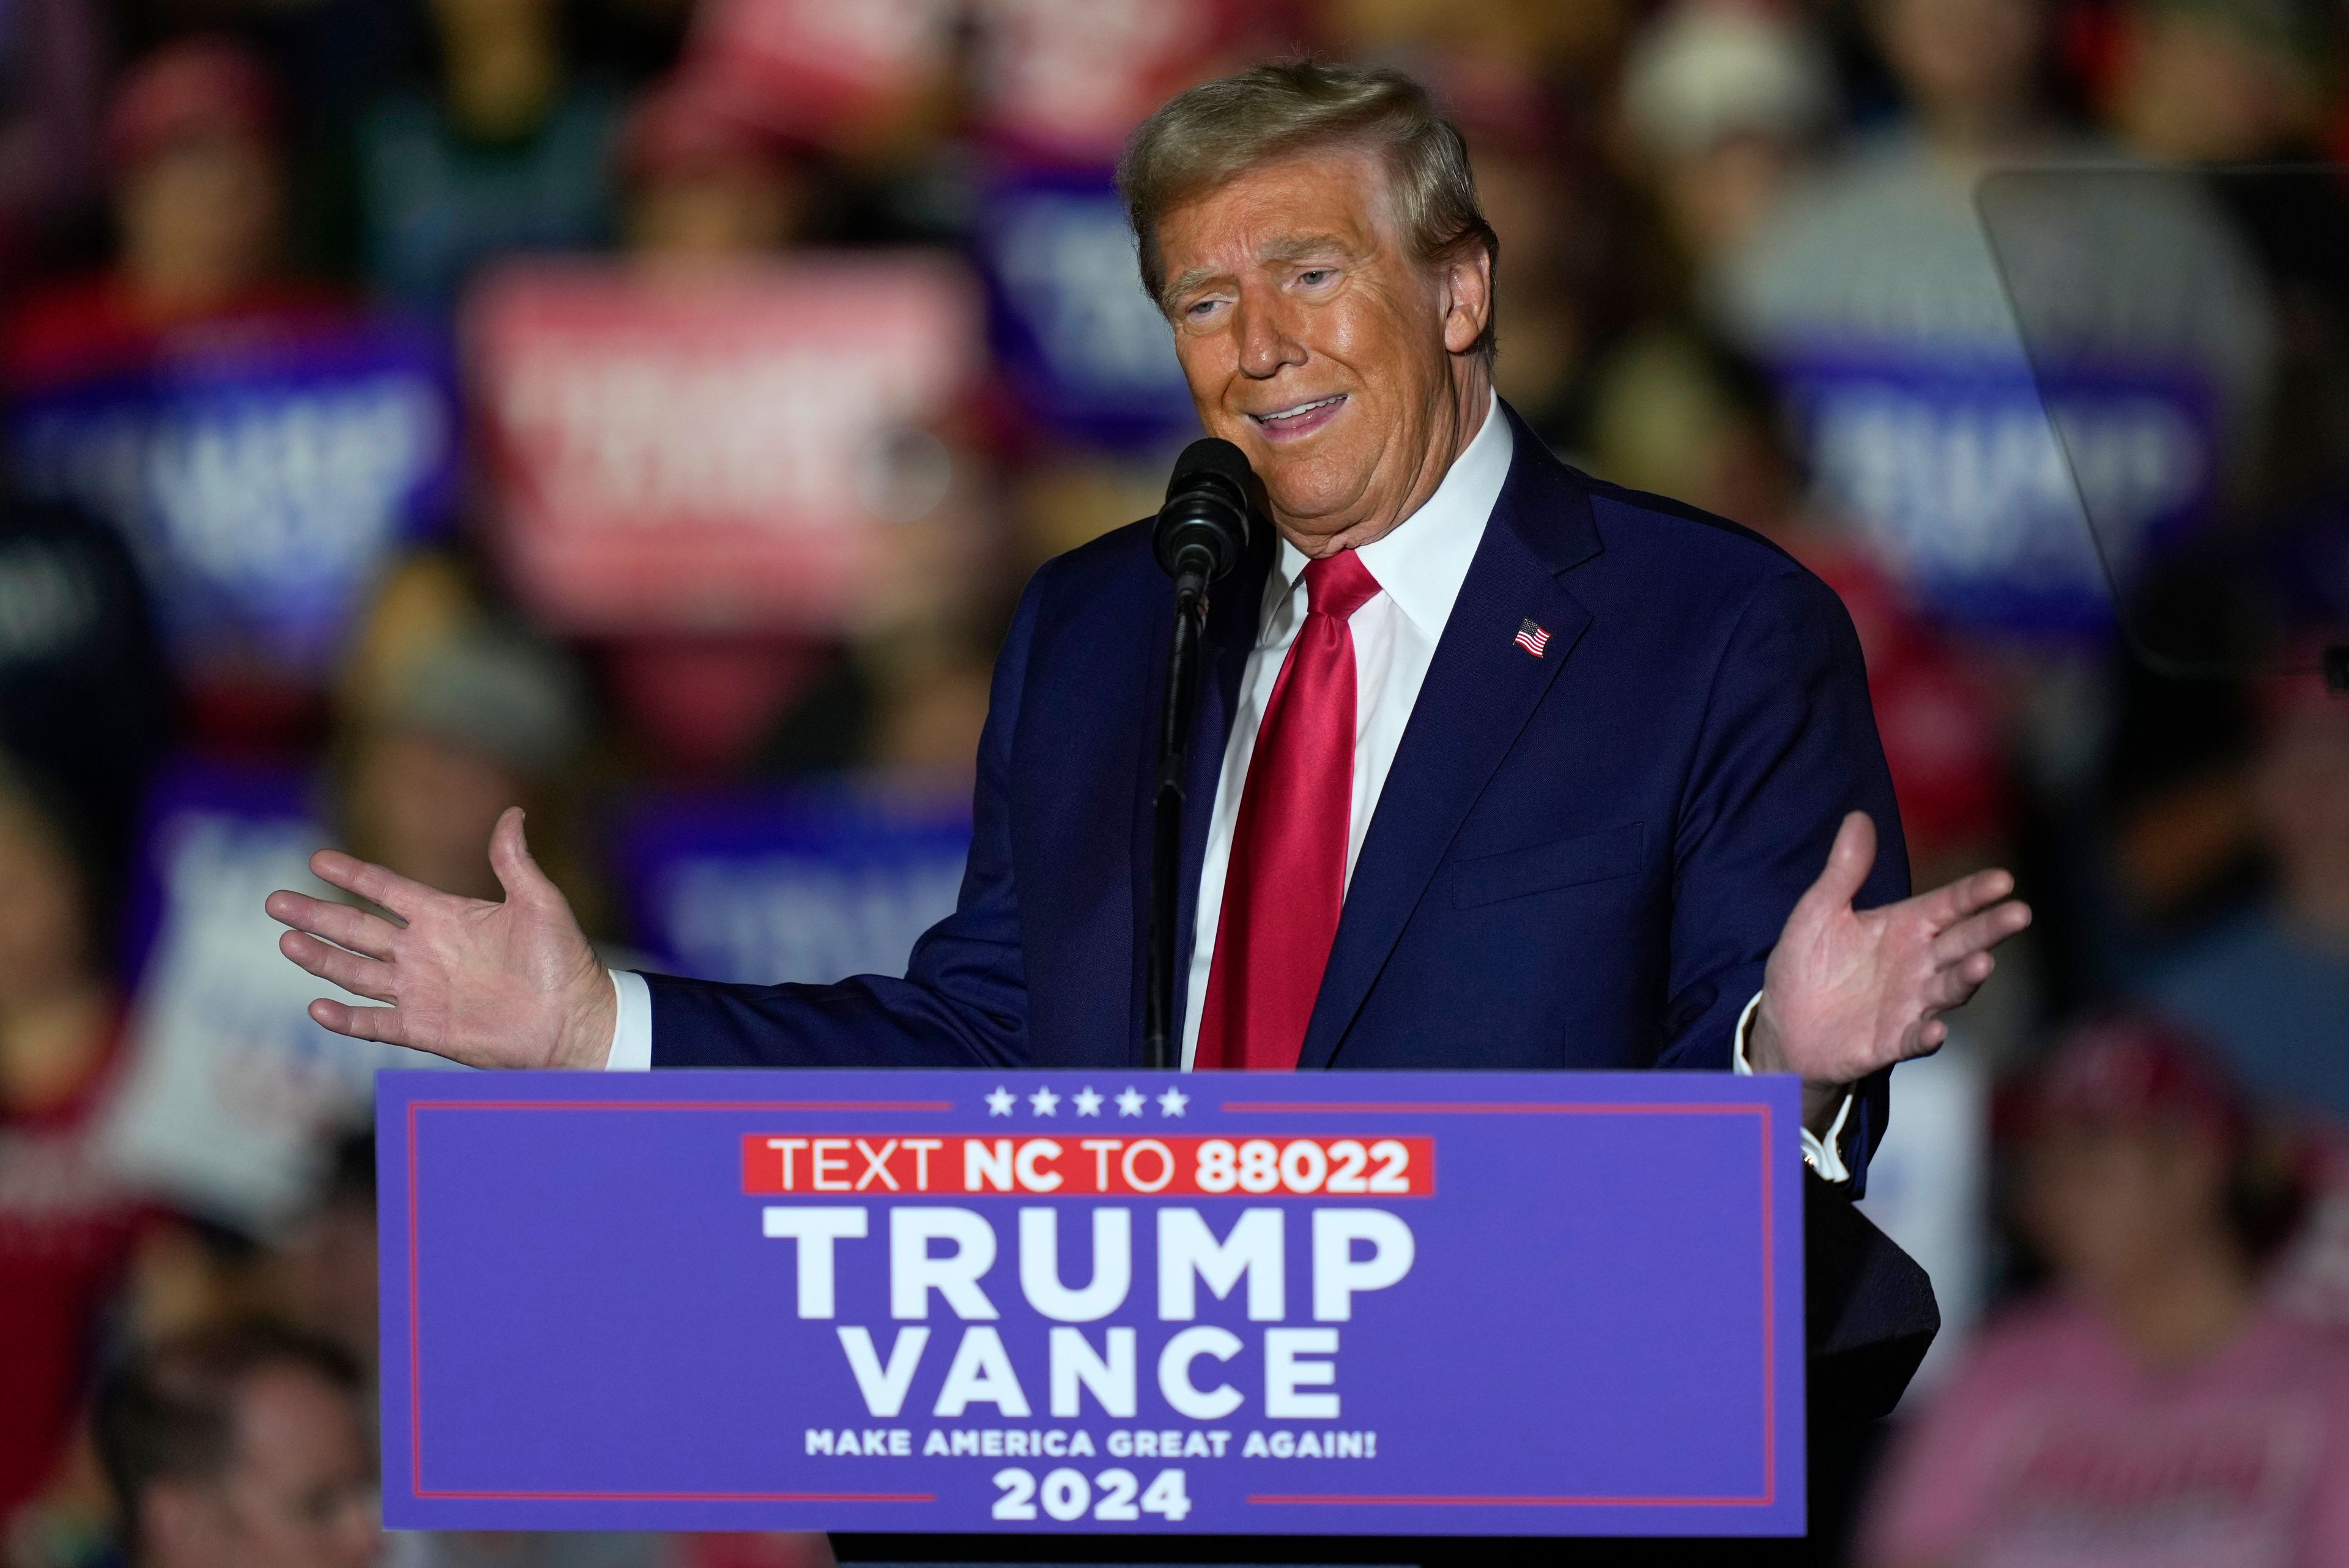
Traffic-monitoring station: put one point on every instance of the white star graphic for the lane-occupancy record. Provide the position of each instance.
(1088, 1103)
(998, 1104)
(1129, 1104)
(1171, 1102)
(1044, 1100)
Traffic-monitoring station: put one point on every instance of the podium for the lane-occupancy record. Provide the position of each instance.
(1095, 1305)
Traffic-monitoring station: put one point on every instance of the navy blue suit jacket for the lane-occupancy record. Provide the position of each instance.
(1580, 860)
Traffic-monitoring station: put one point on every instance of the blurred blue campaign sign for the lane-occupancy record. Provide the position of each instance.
(1953, 466)
(261, 479)
(812, 882)
(1086, 351)
(232, 1091)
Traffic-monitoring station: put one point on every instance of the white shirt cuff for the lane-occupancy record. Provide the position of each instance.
(1822, 1155)
(632, 1023)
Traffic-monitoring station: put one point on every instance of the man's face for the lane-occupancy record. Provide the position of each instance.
(1962, 61)
(2302, 793)
(2114, 1205)
(729, 207)
(298, 1493)
(42, 909)
(203, 217)
(424, 807)
(1318, 345)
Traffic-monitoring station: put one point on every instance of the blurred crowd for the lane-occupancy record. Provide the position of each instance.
(646, 411)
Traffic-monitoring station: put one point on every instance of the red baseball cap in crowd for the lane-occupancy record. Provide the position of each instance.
(696, 118)
(2282, 700)
(183, 91)
(2132, 1067)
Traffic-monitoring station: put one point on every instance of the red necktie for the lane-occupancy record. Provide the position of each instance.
(1286, 878)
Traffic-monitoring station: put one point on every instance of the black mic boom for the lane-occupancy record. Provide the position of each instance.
(1203, 528)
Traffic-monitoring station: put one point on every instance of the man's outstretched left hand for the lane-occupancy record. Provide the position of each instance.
(1849, 992)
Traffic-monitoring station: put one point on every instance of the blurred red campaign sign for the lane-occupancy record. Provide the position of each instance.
(1070, 79)
(1062, 79)
(722, 455)
(834, 72)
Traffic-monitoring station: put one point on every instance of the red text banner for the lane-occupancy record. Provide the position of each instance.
(1088, 1165)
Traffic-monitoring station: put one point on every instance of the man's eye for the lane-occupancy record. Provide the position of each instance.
(1312, 277)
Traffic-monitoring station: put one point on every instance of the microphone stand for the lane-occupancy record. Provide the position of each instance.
(1202, 532)
(1166, 826)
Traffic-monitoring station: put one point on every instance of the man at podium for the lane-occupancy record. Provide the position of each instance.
(1498, 765)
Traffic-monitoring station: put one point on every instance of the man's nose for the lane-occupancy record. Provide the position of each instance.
(1266, 346)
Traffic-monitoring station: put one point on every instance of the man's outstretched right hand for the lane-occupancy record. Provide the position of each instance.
(512, 984)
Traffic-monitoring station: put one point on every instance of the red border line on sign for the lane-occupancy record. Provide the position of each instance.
(415, 1347)
(1769, 1494)
(682, 1104)
(1769, 1324)
(415, 1330)
(1306, 1500)
(687, 1496)
(1495, 1107)
(1769, 1302)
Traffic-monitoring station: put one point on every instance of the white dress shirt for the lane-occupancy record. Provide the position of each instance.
(1420, 565)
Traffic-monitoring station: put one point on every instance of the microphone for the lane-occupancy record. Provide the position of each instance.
(1202, 533)
(1203, 528)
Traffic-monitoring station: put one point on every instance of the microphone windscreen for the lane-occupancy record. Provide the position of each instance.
(1212, 454)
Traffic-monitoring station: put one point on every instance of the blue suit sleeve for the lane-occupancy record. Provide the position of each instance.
(1788, 746)
(964, 1000)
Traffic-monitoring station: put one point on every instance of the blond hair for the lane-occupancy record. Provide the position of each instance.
(1222, 129)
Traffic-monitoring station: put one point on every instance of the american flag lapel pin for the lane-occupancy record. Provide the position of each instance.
(1531, 638)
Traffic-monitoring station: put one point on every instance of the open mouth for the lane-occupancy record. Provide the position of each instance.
(1300, 418)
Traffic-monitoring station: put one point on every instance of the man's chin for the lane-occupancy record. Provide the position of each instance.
(1307, 483)
(1307, 506)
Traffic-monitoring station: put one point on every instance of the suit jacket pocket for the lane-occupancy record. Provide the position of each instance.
(1544, 867)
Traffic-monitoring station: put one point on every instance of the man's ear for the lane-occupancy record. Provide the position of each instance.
(1467, 279)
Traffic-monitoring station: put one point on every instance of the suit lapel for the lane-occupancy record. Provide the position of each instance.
(1234, 610)
(1480, 690)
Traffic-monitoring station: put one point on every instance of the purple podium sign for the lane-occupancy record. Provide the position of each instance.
(1106, 1302)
